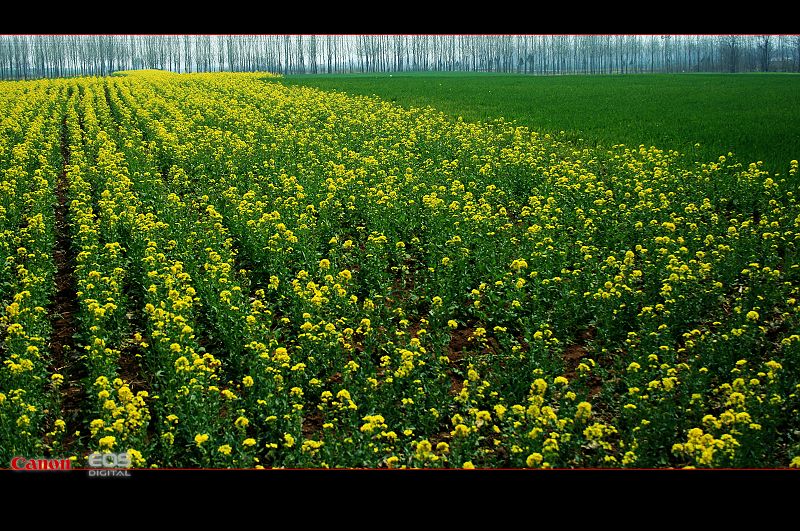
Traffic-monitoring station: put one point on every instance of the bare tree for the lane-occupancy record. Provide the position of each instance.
(731, 51)
(765, 49)
(25, 56)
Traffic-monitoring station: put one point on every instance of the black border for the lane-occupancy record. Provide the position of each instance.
(403, 18)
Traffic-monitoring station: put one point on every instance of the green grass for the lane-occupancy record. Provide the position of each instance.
(756, 116)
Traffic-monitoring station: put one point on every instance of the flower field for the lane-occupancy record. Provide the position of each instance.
(270, 276)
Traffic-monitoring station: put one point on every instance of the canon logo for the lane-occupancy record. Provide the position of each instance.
(39, 463)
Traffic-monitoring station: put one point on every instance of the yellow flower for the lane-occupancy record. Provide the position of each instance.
(96, 425)
(136, 457)
(752, 315)
(225, 449)
(468, 465)
(288, 440)
(461, 430)
(516, 265)
(584, 411)
(534, 459)
(539, 386)
(108, 442)
(249, 442)
(324, 263)
(247, 381)
(199, 439)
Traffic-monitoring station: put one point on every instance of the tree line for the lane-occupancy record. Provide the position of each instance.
(36, 56)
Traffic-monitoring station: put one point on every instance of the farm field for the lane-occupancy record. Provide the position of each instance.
(753, 115)
(220, 270)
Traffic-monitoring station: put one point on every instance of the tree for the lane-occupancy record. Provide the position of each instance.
(765, 49)
(25, 57)
(731, 48)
